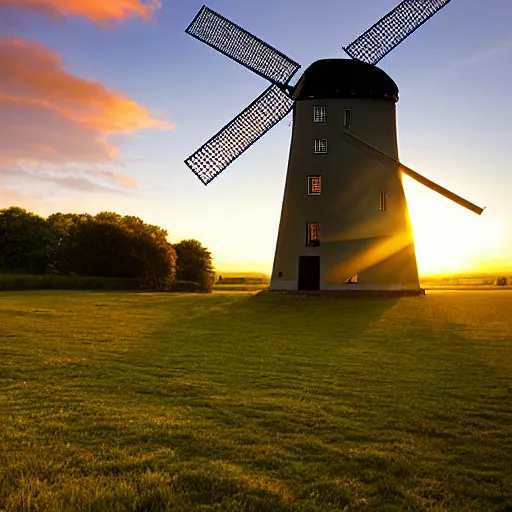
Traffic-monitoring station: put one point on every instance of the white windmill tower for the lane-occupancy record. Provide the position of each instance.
(344, 221)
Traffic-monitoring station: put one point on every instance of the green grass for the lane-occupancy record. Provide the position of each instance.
(238, 402)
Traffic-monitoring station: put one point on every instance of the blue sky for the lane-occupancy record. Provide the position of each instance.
(454, 114)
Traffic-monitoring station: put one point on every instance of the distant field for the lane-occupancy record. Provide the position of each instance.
(236, 401)
(241, 287)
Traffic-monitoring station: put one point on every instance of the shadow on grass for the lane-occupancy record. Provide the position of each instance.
(257, 403)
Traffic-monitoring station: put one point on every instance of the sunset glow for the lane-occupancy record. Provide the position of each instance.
(102, 101)
(449, 238)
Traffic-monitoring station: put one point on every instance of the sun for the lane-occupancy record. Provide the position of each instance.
(449, 239)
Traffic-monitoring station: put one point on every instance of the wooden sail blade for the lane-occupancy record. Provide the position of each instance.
(240, 134)
(236, 43)
(393, 29)
(388, 160)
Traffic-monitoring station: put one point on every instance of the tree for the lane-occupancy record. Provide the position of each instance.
(25, 240)
(155, 257)
(158, 261)
(109, 245)
(63, 253)
(194, 264)
(101, 248)
(104, 245)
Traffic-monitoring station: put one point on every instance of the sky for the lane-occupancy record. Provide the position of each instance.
(101, 103)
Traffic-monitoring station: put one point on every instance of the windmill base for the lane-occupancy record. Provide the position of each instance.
(353, 293)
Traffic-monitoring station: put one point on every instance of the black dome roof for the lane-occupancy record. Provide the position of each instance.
(345, 78)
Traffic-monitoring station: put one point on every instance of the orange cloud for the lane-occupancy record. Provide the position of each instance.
(49, 115)
(116, 178)
(99, 11)
(30, 73)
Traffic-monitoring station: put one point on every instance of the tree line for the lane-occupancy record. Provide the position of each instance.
(103, 245)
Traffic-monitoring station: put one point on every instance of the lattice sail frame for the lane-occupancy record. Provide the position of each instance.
(236, 43)
(239, 134)
(392, 29)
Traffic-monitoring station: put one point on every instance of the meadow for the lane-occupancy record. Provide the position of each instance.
(243, 401)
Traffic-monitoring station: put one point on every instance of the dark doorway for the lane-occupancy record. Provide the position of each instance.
(309, 272)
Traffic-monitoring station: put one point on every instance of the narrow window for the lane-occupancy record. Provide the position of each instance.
(314, 185)
(313, 234)
(383, 198)
(320, 145)
(281, 274)
(347, 119)
(319, 114)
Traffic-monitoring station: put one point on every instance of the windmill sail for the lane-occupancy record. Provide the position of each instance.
(393, 29)
(239, 134)
(236, 43)
(387, 160)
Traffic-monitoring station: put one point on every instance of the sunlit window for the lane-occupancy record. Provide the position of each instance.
(314, 185)
(319, 114)
(313, 234)
(353, 279)
(347, 118)
(320, 145)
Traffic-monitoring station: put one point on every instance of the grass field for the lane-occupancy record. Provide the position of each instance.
(240, 402)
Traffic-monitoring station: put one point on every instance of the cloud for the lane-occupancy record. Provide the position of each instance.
(99, 11)
(80, 180)
(12, 197)
(116, 178)
(35, 133)
(50, 116)
(31, 74)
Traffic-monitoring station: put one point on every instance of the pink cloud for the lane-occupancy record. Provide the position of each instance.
(34, 133)
(115, 178)
(32, 202)
(49, 115)
(80, 180)
(99, 11)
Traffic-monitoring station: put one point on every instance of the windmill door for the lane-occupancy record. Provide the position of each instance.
(309, 273)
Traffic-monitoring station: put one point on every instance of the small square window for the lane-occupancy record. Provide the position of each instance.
(383, 200)
(347, 118)
(320, 145)
(281, 274)
(313, 234)
(353, 279)
(314, 185)
(319, 114)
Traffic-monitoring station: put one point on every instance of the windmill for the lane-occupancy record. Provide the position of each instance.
(344, 220)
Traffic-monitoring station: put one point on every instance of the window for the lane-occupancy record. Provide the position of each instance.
(383, 198)
(353, 280)
(320, 145)
(347, 119)
(319, 114)
(281, 274)
(313, 234)
(314, 185)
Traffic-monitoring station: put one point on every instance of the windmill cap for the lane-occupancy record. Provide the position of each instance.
(345, 78)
